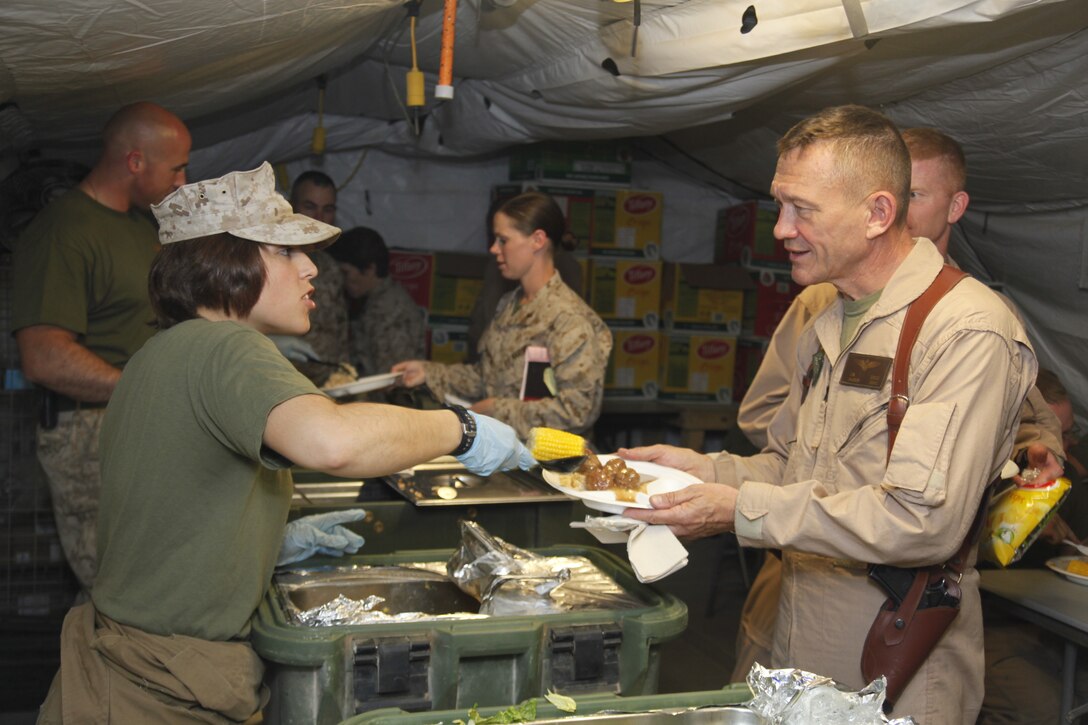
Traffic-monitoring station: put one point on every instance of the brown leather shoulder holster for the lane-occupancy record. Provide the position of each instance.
(922, 602)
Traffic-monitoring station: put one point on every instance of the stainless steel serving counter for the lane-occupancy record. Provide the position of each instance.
(421, 509)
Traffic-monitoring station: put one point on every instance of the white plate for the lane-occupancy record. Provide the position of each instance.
(1060, 564)
(363, 385)
(666, 480)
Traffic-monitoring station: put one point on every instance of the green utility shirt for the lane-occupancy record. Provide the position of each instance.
(193, 505)
(83, 266)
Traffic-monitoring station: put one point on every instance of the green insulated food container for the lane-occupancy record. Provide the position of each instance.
(325, 674)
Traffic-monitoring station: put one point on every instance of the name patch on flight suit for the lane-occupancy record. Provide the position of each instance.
(865, 371)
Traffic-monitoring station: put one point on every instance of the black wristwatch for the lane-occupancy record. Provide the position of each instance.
(468, 429)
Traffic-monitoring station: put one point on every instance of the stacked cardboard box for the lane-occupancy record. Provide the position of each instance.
(446, 285)
(567, 161)
(626, 292)
(447, 344)
(773, 295)
(633, 367)
(698, 367)
(704, 297)
(627, 223)
(703, 308)
(745, 235)
(414, 271)
(605, 220)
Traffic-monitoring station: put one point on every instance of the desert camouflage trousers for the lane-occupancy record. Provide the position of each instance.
(69, 455)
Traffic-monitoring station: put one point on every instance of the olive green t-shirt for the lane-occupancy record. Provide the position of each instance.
(852, 312)
(193, 505)
(83, 266)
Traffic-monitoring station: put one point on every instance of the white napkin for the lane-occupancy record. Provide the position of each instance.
(652, 549)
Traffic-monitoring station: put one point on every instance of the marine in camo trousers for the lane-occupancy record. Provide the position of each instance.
(69, 455)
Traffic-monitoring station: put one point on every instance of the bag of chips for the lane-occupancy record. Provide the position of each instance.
(1017, 517)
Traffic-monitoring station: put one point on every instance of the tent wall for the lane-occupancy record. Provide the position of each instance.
(441, 205)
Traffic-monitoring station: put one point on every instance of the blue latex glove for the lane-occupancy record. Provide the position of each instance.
(496, 448)
(320, 534)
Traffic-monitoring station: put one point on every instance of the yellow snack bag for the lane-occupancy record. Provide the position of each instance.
(1017, 517)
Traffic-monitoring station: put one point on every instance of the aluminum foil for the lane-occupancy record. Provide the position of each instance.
(509, 580)
(796, 697)
(344, 611)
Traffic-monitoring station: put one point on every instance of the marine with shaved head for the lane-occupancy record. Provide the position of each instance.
(81, 308)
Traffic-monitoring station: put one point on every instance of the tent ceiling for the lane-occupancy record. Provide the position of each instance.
(1007, 77)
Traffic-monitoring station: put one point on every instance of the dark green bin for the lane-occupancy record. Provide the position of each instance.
(315, 674)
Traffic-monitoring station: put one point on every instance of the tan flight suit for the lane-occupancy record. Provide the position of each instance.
(823, 487)
(764, 397)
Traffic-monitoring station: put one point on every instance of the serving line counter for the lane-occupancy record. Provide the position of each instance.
(420, 509)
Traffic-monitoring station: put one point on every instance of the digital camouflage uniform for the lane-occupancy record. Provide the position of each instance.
(83, 267)
(388, 330)
(328, 335)
(578, 344)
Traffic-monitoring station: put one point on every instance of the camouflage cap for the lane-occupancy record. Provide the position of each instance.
(244, 203)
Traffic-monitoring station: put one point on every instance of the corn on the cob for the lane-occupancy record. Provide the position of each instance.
(549, 444)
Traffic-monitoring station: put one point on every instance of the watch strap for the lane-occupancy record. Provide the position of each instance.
(468, 429)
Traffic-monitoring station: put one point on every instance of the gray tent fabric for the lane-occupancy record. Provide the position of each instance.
(710, 86)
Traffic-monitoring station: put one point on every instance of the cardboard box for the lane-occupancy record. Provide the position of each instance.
(750, 352)
(634, 364)
(745, 235)
(698, 367)
(633, 228)
(765, 307)
(704, 297)
(626, 292)
(611, 222)
(447, 344)
(607, 161)
(414, 271)
(456, 283)
(446, 284)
